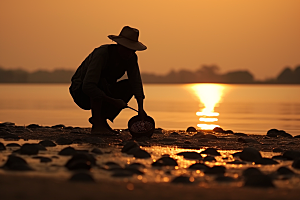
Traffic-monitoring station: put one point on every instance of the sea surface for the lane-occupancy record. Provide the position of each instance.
(250, 109)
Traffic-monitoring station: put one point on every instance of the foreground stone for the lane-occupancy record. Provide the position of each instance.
(68, 151)
(277, 133)
(81, 161)
(250, 154)
(47, 143)
(259, 180)
(16, 163)
(2, 147)
(190, 155)
(165, 161)
(82, 177)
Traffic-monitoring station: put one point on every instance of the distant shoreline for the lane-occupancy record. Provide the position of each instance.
(205, 74)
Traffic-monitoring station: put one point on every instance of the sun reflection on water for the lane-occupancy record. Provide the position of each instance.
(209, 95)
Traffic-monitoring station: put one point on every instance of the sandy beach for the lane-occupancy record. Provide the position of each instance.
(52, 179)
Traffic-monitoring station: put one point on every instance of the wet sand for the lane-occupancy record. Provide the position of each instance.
(18, 187)
(23, 185)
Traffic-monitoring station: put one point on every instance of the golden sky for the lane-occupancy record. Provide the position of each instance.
(262, 36)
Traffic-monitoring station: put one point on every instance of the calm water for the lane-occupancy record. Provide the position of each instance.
(252, 109)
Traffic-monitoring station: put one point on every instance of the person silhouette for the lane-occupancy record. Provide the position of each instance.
(95, 85)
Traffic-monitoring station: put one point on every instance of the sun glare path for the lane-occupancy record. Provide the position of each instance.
(209, 95)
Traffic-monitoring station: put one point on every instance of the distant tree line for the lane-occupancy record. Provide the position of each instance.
(39, 76)
(205, 74)
(210, 74)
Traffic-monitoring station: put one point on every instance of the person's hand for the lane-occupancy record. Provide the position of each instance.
(142, 114)
(119, 103)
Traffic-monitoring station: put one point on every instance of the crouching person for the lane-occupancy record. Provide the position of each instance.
(95, 84)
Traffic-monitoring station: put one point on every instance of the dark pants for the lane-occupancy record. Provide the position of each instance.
(119, 90)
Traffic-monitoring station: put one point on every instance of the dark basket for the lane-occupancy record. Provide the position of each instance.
(147, 133)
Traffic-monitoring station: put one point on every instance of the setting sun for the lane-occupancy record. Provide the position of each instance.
(209, 95)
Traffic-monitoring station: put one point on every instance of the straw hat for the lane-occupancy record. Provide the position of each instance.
(128, 37)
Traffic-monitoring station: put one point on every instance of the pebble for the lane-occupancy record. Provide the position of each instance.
(210, 136)
(43, 159)
(63, 141)
(296, 163)
(199, 134)
(209, 159)
(210, 151)
(218, 130)
(174, 134)
(165, 161)
(136, 166)
(82, 177)
(81, 161)
(191, 129)
(266, 161)
(284, 171)
(228, 132)
(112, 166)
(47, 143)
(2, 147)
(251, 171)
(277, 133)
(259, 180)
(33, 126)
(158, 131)
(13, 145)
(29, 149)
(199, 166)
(291, 154)
(241, 134)
(58, 126)
(137, 152)
(279, 158)
(237, 162)
(215, 170)
(277, 150)
(68, 151)
(97, 151)
(182, 179)
(140, 153)
(250, 154)
(16, 163)
(190, 155)
(129, 145)
(7, 124)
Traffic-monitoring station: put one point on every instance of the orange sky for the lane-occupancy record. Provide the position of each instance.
(262, 36)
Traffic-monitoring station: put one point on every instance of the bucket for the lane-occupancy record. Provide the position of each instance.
(141, 128)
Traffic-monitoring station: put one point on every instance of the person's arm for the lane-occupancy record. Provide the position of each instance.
(141, 113)
(134, 77)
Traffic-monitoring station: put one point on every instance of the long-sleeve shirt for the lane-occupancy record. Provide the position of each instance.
(103, 67)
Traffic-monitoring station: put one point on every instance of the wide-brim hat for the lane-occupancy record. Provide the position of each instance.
(129, 37)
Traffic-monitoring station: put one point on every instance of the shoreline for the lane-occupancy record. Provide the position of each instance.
(30, 186)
